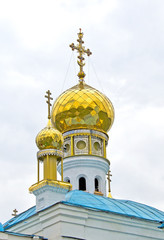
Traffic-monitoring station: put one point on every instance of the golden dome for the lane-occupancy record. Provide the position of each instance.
(82, 107)
(49, 138)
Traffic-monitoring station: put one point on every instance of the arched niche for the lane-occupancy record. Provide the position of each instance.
(82, 183)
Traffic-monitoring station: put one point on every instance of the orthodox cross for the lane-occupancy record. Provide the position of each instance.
(81, 50)
(49, 98)
(109, 180)
(14, 212)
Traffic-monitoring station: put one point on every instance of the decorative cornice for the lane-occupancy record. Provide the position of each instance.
(88, 132)
(86, 156)
(85, 161)
(53, 184)
(46, 152)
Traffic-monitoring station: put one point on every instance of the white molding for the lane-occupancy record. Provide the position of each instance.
(84, 160)
(78, 222)
(87, 131)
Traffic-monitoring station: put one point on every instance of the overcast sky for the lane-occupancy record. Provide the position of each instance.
(127, 41)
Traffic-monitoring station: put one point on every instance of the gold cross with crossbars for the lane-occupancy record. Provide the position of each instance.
(48, 96)
(81, 50)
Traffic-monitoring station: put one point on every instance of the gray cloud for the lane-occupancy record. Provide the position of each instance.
(126, 38)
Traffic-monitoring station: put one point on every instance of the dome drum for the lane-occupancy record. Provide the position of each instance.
(87, 144)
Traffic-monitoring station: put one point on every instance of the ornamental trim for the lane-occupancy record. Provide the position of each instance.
(49, 152)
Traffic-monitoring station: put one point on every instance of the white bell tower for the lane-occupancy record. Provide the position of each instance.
(84, 115)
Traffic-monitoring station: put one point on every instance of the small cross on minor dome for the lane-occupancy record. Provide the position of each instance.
(48, 96)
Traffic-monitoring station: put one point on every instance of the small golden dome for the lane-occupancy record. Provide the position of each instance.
(82, 107)
(49, 138)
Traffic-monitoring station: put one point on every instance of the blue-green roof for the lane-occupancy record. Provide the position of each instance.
(123, 207)
(20, 217)
(98, 203)
(1, 227)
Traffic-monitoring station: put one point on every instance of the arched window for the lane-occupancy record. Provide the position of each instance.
(67, 180)
(96, 185)
(82, 184)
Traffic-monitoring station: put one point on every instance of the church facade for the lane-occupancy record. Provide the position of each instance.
(77, 206)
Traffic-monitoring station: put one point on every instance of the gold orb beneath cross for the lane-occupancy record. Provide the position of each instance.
(82, 107)
(49, 138)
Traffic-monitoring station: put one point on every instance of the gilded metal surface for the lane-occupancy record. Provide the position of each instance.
(50, 168)
(90, 145)
(49, 138)
(104, 148)
(98, 193)
(54, 183)
(110, 195)
(82, 108)
(72, 146)
(81, 50)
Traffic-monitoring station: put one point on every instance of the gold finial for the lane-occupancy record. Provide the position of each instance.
(48, 96)
(109, 181)
(14, 212)
(81, 50)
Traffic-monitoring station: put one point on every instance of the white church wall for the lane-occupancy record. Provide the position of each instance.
(48, 195)
(90, 167)
(64, 221)
(7, 236)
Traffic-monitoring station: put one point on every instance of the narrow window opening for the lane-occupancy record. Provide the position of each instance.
(82, 184)
(96, 185)
(67, 180)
